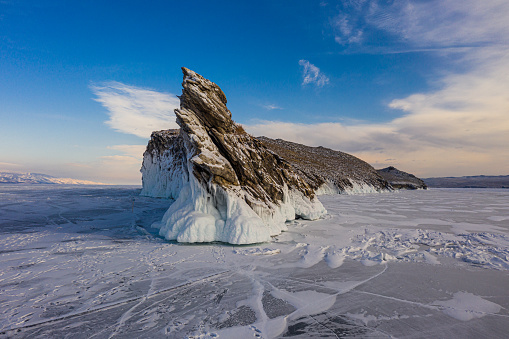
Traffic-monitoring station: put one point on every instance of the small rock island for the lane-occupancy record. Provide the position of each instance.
(231, 187)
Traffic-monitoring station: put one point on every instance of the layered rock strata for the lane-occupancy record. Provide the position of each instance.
(401, 180)
(228, 186)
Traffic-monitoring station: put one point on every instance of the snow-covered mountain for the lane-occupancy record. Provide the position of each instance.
(38, 178)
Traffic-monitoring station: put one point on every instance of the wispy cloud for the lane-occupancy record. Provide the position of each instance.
(122, 160)
(346, 31)
(271, 107)
(312, 74)
(127, 161)
(443, 23)
(415, 24)
(135, 151)
(135, 110)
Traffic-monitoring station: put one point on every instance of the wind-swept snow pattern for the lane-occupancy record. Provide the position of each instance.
(226, 184)
(85, 262)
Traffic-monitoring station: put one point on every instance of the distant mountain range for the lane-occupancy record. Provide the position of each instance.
(39, 178)
(477, 181)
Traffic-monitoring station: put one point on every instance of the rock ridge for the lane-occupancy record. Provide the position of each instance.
(328, 171)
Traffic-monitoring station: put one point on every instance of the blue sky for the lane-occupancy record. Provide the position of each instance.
(421, 85)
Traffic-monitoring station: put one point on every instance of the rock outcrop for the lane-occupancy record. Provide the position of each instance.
(228, 186)
(327, 171)
(401, 180)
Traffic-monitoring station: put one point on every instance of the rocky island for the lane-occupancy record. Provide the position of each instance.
(228, 186)
(232, 187)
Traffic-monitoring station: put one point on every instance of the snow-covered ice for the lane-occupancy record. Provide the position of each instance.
(85, 262)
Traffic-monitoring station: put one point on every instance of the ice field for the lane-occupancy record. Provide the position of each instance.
(84, 262)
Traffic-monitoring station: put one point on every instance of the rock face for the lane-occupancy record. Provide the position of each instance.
(228, 186)
(327, 171)
(401, 180)
(164, 165)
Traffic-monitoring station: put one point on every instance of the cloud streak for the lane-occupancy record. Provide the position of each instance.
(432, 24)
(312, 74)
(135, 110)
(270, 107)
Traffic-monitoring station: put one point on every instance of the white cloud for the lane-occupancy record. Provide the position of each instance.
(135, 110)
(312, 74)
(135, 151)
(271, 107)
(347, 33)
(126, 164)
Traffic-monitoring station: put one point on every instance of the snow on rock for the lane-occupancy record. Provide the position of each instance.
(226, 184)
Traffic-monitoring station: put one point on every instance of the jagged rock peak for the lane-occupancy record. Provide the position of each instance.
(228, 186)
(207, 101)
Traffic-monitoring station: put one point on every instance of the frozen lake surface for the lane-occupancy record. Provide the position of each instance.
(83, 262)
